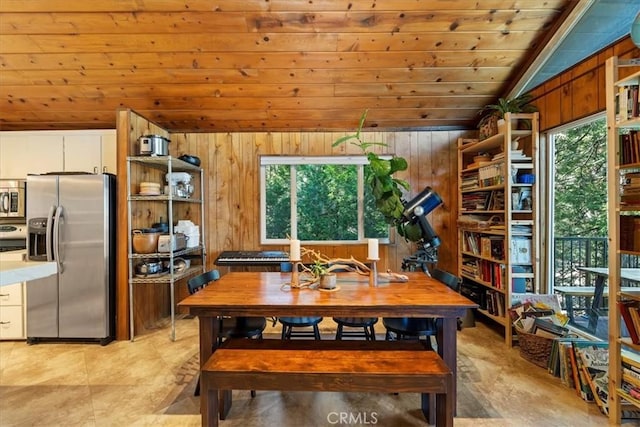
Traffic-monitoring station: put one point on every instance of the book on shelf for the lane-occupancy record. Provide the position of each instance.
(495, 303)
(626, 307)
(629, 147)
(631, 376)
(635, 318)
(521, 250)
(630, 362)
(629, 233)
(626, 103)
(483, 201)
(491, 175)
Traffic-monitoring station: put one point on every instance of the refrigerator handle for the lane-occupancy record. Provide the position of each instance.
(56, 238)
(49, 234)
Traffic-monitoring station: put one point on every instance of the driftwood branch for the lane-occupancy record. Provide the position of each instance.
(347, 264)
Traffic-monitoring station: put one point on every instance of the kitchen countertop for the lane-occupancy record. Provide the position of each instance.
(14, 271)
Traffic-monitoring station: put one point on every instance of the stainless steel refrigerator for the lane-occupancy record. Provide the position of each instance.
(71, 219)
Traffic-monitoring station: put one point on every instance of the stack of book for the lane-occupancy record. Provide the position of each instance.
(469, 181)
(470, 267)
(627, 105)
(631, 374)
(476, 201)
(630, 192)
(515, 155)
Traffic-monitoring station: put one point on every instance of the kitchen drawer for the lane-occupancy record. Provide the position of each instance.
(11, 294)
(11, 322)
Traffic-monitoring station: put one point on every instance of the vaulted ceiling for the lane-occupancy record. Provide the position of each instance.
(261, 65)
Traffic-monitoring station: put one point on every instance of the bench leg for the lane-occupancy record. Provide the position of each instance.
(225, 403)
(444, 416)
(428, 405)
(210, 414)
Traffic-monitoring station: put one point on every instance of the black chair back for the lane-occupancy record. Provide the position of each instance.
(447, 278)
(200, 281)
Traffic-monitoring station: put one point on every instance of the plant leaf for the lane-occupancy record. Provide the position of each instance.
(398, 164)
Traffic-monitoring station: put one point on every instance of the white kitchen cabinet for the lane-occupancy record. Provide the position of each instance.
(11, 323)
(93, 152)
(109, 151)
(82, 153)
(13, 315)
(22, 153)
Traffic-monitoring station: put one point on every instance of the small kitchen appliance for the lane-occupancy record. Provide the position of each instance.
(180, 184)
(12, 198)
(172, 243)
(153, 145)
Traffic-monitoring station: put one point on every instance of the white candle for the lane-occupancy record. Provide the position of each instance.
(294, 250)
(373, 249)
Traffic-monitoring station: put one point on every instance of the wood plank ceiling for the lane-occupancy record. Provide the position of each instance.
(261, 65)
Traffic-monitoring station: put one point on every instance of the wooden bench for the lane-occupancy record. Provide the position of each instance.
(350, 366)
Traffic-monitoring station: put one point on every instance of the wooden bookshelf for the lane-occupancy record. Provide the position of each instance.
(623, 121)
(498, 216)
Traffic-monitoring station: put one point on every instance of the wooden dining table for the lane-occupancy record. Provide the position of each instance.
(269, 294)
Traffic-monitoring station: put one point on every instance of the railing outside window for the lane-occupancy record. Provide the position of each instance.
(573, 252)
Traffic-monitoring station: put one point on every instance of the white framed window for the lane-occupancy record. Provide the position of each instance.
(318, 200)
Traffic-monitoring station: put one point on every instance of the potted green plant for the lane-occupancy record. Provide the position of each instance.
(386, 189)
(490, 114)
(326, 279)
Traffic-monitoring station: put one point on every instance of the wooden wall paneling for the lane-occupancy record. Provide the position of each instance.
(406, 146)
(566, 103)
(601, 85)
(434, 175)
(212, 187)
(579, 91)
(444, 162)
(584, 94)
(249, 199)
(123, 124)
(227, 220)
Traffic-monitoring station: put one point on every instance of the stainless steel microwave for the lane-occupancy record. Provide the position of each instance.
(13, 198)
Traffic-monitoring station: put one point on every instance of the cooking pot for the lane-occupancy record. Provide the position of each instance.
(145, 240)
(153, 145)
(162, 227)
(149, 267)
(194, 160)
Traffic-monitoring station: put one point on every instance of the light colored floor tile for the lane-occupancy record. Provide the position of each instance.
(150, 382)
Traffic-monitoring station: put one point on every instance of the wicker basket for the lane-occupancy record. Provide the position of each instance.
(535, 348)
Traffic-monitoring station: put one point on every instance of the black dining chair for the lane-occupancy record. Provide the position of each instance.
(298, 327)
(229, 327)
(358, 327)
(414, 328)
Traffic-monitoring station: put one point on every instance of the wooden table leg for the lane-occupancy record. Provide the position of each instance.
(568, 302)
(594, 311)
(208, 336)
(448, 350)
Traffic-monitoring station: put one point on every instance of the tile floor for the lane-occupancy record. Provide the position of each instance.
(150, 382)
